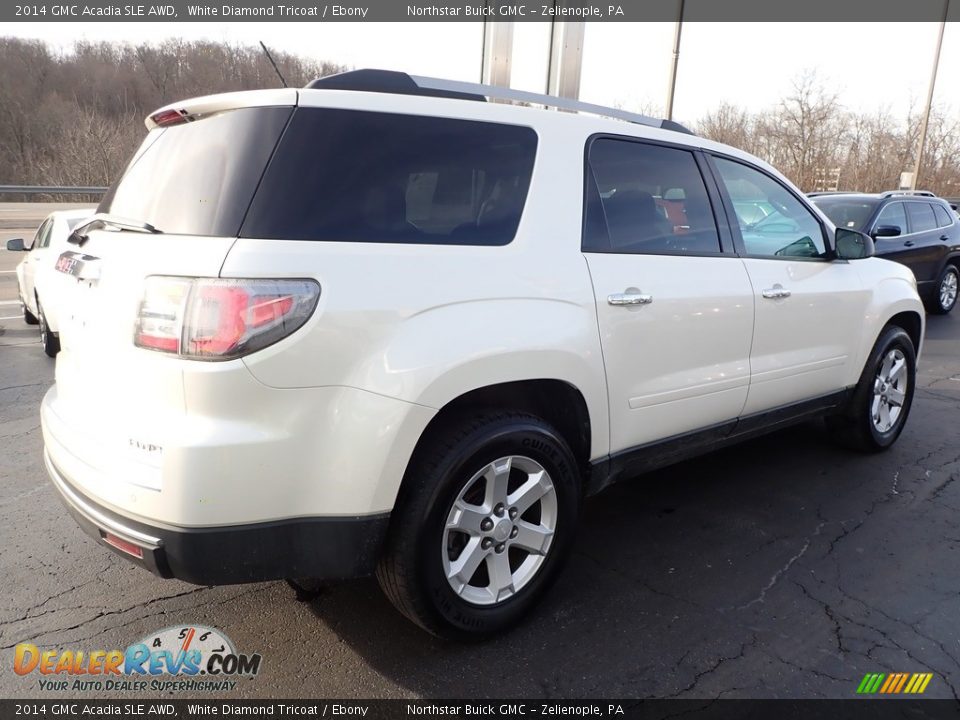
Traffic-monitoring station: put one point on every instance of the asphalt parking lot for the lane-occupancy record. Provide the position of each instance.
(784, 567)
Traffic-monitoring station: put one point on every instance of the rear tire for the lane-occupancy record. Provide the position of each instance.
(876, 413)
(48, 338)
(944, 297)
(476, 499)
(28, 317)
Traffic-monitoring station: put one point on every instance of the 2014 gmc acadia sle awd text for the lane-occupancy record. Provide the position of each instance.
(382, 325)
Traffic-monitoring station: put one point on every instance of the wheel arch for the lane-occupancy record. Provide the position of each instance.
(557, 402)
(912, 322)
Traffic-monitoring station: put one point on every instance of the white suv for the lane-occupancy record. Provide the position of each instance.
(381, 325)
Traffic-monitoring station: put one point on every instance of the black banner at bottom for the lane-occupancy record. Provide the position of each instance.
(853, 709)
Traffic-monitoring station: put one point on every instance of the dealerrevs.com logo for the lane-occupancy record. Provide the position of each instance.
(200, 658)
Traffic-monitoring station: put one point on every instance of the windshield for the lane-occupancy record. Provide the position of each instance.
(198, 178)
(846, 212)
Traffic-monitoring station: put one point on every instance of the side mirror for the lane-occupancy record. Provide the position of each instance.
(887, 231)
(853, 245)
(15, 245)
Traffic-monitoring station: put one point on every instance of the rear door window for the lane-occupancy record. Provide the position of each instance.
(646, 199)
(353, 176)
(921, 216)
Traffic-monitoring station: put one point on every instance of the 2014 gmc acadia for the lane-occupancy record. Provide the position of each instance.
(381, 325)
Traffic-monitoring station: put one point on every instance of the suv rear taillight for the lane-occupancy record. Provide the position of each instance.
(221, 319)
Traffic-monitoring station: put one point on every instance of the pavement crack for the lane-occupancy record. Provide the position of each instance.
(120, 611)
(722, 660)
(775, 578)
(18, 387)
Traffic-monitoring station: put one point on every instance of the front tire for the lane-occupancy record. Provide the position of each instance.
(944, 298)
(484, 523)
(881, 401)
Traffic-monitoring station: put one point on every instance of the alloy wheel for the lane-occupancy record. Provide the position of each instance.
(499, 530)
(889, 391)
(948, 290)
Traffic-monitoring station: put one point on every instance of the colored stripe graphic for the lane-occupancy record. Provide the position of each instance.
(894, 683)
(903, 680)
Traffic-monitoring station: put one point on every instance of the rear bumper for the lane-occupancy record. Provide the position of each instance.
(315, 547)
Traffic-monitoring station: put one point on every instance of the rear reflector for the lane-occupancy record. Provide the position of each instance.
(123, 546)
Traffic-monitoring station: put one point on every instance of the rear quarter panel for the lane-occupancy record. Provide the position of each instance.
(428, 323)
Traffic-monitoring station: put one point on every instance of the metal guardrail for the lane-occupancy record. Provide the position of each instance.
(51, 190)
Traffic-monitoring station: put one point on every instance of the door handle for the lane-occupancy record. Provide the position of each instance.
(776, 292)
(944, 237)
(908, 243)
(629, 298)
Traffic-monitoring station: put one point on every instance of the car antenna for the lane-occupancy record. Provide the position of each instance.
(275, 68)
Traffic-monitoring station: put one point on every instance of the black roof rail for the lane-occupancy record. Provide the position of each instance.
(391, 81)
(385, 81)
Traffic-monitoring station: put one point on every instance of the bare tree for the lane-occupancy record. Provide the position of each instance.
(75, 118)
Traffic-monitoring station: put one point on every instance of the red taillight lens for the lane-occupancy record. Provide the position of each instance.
(219, 319)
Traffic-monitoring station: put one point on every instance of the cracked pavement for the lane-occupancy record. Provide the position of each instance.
(784, 567)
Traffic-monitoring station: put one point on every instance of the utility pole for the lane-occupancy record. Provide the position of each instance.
(926, 112)
(675, 60)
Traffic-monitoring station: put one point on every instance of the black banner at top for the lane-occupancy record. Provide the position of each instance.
(484, 10)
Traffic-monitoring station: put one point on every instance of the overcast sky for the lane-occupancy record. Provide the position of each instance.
(870, 65)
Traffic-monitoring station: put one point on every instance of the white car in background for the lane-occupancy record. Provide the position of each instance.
(38, 282)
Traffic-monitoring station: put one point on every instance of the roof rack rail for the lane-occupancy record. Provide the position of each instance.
(920, 193)
(391, 81)
(820, 193)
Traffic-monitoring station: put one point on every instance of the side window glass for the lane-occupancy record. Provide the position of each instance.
(943, 217)
(921, 217)
(772, 221)
(646, 199)
(48, 233)
(43, 232)
(893, 215)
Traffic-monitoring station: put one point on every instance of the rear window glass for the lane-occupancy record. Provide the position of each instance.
(943, 217)
(198, 178)
(921, 217)
(352, 176)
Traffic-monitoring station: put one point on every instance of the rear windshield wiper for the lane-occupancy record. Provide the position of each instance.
(103, 220)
